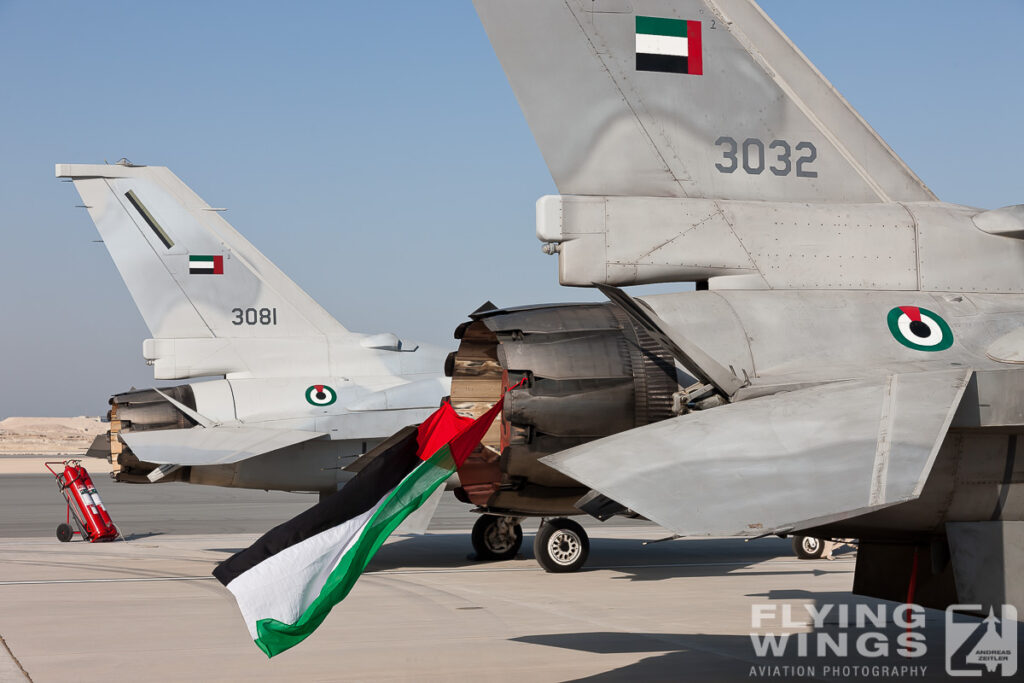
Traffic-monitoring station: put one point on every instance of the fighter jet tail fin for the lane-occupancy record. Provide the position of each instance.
(788, 461)
(686, 98)
(192, 275)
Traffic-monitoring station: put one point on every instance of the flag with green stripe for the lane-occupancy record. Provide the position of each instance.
(206, 264)
(287, 582)
(669, 45)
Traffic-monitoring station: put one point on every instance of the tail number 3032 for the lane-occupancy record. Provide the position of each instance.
(254, 316)
(778, 157)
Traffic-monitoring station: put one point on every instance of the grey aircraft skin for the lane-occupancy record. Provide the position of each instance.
(300, 397)
(850, 365)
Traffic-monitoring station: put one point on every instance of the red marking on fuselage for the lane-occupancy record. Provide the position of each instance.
(319, 388)
(912, 312)
(695, 59)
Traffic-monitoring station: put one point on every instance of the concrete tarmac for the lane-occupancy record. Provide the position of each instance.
(148, 609)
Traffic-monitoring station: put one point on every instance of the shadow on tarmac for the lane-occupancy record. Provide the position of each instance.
(636, 562)
(697, 557)
(141, 534)
(868, 652)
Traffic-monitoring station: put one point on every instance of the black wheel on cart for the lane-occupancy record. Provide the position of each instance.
(64, 532)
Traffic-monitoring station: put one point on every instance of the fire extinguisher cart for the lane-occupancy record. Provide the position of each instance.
(84, 505)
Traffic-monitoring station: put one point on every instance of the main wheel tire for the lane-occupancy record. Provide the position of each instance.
(561, 545)
(492, 542)
(808, 547)
(64, 532)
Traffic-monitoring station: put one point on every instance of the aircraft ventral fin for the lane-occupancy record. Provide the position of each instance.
(211, 446)
(833, 451)
(686, 98)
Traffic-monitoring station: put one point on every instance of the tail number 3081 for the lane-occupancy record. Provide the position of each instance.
(254, 316)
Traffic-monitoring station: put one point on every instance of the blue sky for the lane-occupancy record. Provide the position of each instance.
(378, 155)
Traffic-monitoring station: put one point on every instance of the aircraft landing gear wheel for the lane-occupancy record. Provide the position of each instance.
(561, 545)
(64, 532)
(808, 547)
(497, 538)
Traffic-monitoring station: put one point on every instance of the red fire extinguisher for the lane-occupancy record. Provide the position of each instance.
(84, 504)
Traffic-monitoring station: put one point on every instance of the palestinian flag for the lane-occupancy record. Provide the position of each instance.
(670, 45)
(206, 265)
(287, 582)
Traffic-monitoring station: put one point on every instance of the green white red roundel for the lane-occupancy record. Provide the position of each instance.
(919, 329)
(321, 395)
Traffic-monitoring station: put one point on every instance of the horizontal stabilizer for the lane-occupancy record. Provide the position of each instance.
(211, 446)
(778, 462)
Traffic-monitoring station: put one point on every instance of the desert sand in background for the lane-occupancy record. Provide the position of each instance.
(27, 442)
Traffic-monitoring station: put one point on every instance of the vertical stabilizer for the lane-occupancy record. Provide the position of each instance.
(190, 273)
(686, 98)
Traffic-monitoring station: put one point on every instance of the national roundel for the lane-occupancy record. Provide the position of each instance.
(321, 395)
(919, 329)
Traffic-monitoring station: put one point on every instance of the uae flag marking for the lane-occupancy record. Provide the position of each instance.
(287, 582)
(669, 45)
(206, 265)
